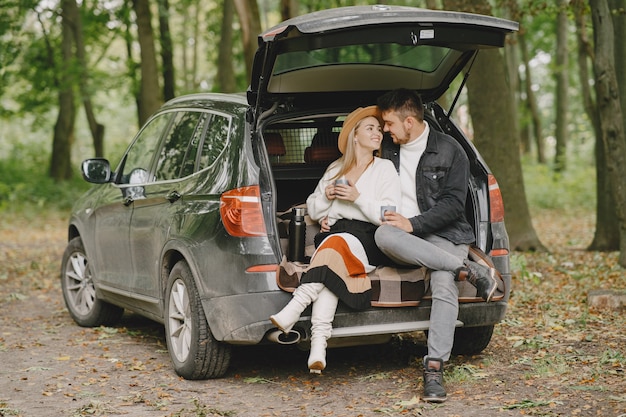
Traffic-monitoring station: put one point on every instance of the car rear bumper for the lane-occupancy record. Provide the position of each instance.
(244, 319)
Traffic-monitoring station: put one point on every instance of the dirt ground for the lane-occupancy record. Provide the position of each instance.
(551, 356)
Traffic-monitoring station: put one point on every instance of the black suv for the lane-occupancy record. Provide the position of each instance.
(190, 226)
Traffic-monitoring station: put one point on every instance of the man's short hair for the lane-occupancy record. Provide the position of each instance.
(403, 101)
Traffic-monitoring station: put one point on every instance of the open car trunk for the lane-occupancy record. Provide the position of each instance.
(299, 149)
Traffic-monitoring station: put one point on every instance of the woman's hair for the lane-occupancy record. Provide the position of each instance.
(403, 101)
(348, 159)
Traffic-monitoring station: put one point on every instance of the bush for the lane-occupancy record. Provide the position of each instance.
(573, 188)
(26, 186)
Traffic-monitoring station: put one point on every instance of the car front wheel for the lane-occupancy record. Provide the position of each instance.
(79, 291)
(196, 354)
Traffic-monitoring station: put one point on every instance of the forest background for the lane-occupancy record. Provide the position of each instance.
(78, 78)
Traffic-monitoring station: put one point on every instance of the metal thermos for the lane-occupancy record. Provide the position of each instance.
(297, 234)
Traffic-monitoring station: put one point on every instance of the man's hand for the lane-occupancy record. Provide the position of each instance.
(396, 219)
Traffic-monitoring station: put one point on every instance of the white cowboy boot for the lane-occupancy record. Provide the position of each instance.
(321, 328)
(304, 295)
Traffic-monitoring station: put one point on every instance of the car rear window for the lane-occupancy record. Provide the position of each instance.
(425, 58)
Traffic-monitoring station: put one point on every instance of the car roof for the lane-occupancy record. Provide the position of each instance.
(202, 99)
(366, 50)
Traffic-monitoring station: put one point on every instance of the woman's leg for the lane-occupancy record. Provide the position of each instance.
(321, 328)
(304, 295)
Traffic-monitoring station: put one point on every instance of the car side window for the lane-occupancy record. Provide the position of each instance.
(192, 150)
(176, 145)
(139, 156)
(214, 141)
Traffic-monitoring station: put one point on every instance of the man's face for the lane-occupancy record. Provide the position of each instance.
(396, 127)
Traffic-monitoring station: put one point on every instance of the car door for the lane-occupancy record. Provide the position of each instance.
(112, 225)
(158, 211)
(348, 56)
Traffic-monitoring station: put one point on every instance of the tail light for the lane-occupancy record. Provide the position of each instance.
(496, 213)
(496, 205)
(241, 212)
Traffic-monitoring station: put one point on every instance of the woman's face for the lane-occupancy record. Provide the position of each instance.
(368, 133)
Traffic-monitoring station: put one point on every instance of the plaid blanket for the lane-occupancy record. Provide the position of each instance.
(396, 287)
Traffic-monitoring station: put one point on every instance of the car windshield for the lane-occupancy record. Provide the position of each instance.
(424, 58)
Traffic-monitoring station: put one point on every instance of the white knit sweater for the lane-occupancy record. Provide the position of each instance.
(378, 186)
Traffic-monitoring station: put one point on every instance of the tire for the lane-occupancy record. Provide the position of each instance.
(195, 353)
(79, 291)
(471, 340)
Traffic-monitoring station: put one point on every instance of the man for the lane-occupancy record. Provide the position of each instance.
(430, 228)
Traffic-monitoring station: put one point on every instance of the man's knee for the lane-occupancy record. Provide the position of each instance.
(382, 236)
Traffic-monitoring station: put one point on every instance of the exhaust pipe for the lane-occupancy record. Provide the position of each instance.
(277, 336)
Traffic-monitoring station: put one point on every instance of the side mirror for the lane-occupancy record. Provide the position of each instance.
(96, 170)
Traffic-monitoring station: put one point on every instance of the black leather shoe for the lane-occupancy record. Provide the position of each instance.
(433, 381)
(481, 277)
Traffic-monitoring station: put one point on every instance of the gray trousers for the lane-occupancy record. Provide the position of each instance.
(443, 258)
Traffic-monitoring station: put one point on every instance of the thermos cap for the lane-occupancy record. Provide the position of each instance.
(299, 211)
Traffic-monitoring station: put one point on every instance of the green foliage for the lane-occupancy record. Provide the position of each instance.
(573, 188)
(25, 185)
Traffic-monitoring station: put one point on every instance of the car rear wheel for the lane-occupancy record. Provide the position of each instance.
(79, 291)
(471, 340)
(196, 354)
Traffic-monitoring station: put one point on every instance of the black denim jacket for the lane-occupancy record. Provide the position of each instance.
(442, 182)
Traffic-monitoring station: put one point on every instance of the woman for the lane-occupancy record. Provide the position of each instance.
(348, 215)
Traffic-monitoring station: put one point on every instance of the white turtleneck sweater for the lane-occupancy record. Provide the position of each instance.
(410, 155)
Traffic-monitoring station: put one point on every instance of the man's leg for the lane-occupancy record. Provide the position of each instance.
(443, 258)
(407, 249)
(445, 301)
(443, 314)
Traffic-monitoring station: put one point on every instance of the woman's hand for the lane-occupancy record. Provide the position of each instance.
(324, 225)
(330, 192)
(346, 192)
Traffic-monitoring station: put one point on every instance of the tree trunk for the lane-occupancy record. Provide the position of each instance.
(512, 63)
(562, 86)
(610, 111)
(131, 63)
(491, 108)
(499, 144)
(195, 45)
(523, 122)
(618, 12)
(606, 236)
(167, 51)
(248, 12)
(288, 9)
(149, 98)
(71, 12)
(61, 158)
(531, 101)
(225, 70)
